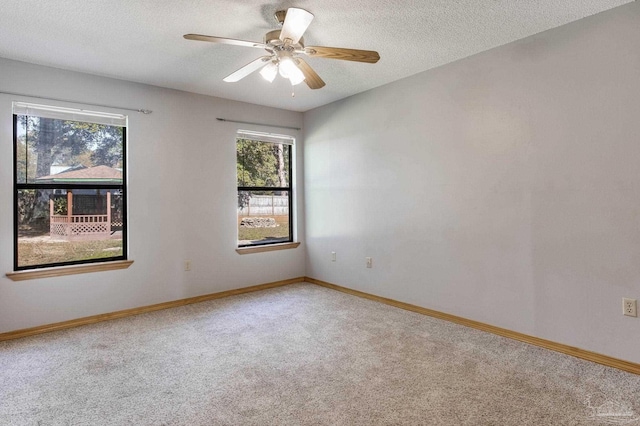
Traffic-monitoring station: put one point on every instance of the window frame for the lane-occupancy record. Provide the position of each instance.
(289, 189)
(122, 187)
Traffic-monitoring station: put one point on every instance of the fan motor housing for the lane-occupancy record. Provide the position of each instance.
(272, 38)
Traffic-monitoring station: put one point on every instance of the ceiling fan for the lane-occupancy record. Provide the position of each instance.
(285, 48)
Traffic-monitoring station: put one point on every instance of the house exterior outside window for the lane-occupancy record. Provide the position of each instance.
(69, 186)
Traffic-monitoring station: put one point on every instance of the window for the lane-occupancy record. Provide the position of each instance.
(69, 186)
(264, 189)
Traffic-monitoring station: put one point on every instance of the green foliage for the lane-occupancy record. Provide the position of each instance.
(26, 159)
(60, 206)
(27, 200)
(260, 164)
(102, 144)
(50, 141)
(43, 142)
(109, 146)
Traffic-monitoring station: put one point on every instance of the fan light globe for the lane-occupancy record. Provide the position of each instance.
(296, 77)
(288, 69)
(269, 71)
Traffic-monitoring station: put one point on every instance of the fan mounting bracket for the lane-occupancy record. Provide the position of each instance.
(280, 15)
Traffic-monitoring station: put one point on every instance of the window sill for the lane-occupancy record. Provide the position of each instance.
(59, 271)
(270, 247)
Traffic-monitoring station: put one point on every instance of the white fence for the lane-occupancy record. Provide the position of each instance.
(266, 205)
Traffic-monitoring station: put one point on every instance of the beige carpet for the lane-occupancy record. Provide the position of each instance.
(300, 354)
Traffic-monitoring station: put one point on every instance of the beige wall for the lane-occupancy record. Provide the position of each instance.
(503, 188)
(182, 200)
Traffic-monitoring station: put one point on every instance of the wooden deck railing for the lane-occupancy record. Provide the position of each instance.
(79, 226)
(80, 218)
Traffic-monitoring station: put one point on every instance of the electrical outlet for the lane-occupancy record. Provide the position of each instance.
(187, 265)
(629, 307)
(333, 256)
(369, 262)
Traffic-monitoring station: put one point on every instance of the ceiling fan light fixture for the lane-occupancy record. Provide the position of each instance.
(285, 48)
(287, 67)
(296, 77)
(269, 71)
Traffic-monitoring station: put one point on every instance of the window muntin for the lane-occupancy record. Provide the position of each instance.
(62, 158)
(264, 189)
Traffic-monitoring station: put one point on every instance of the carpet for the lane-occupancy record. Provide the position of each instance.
(300, 355)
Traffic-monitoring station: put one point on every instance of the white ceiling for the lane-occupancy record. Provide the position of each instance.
(141, 40)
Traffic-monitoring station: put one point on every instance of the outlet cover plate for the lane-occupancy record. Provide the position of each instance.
(630, 307)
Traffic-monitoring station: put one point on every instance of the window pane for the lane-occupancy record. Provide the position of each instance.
(262, 163)
(263, 217)
(61, 151)
(48, 233)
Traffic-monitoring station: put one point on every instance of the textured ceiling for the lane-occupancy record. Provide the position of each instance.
(142, 40)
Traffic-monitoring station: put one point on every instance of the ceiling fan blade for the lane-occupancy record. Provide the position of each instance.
(222, 40)
(312, 79)
(247, 69)
(295, 24)
(355, 55)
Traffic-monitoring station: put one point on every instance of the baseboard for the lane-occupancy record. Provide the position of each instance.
(628, 366)
(141, 310)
